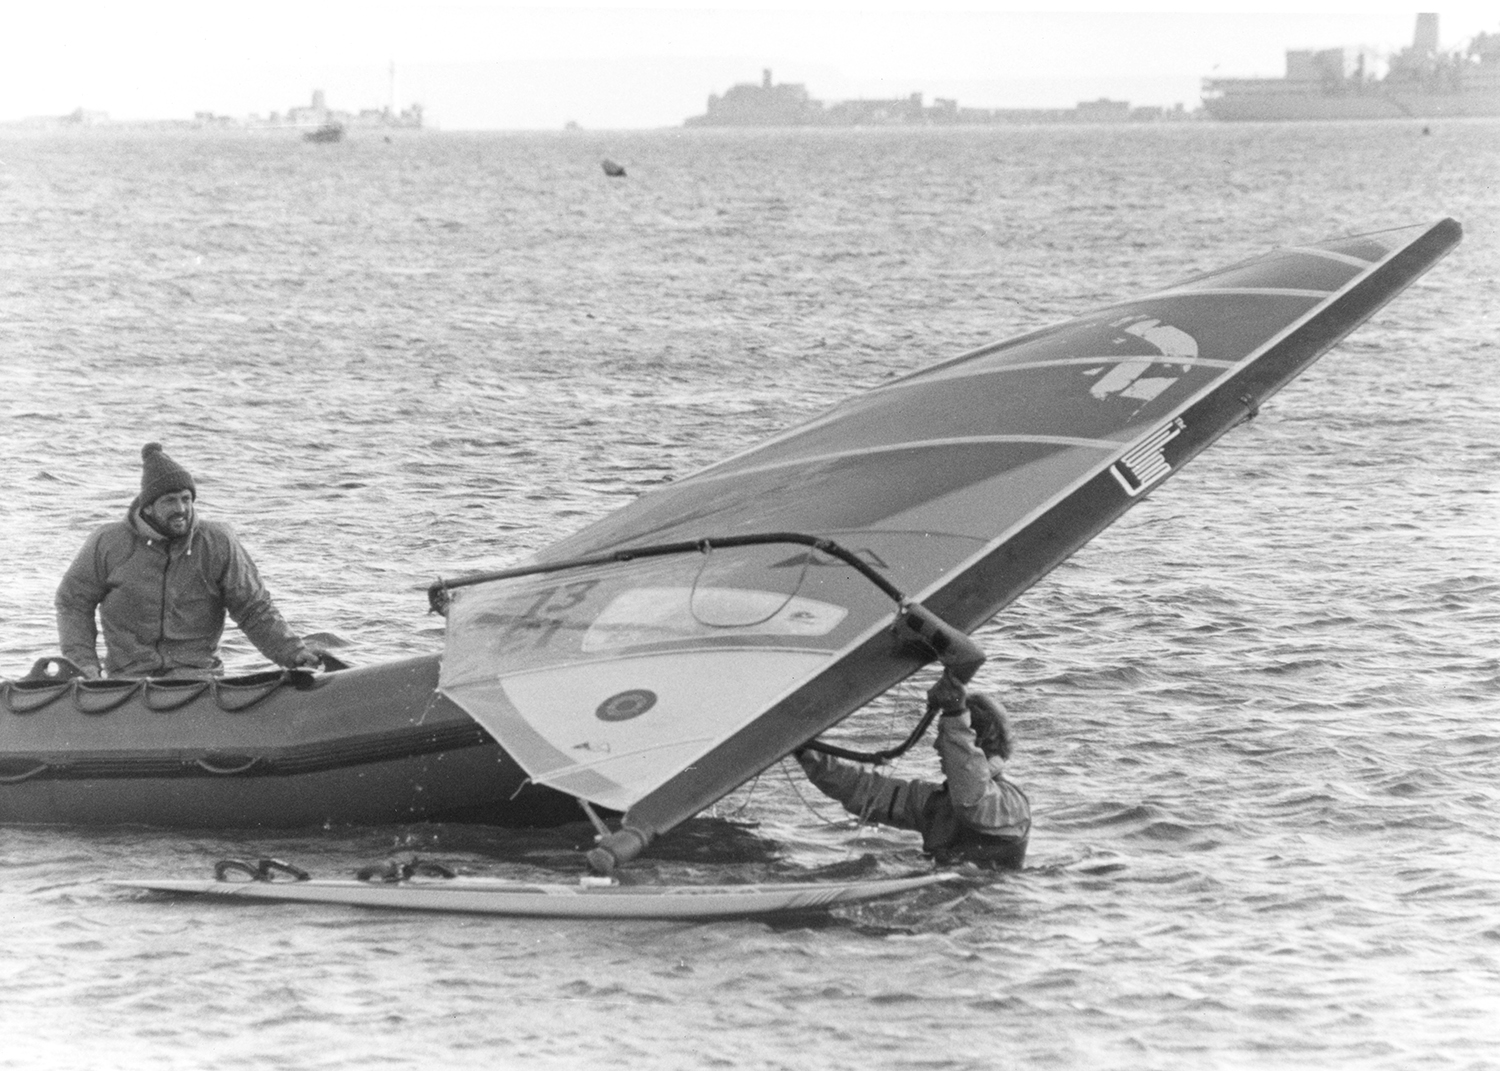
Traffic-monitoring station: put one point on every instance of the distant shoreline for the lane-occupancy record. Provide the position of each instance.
(290, 134)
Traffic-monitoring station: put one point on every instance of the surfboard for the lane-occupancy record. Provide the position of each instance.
(485, 896)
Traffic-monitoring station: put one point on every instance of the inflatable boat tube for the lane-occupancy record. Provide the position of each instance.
(284, 749)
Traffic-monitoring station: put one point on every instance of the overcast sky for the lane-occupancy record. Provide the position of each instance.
(492, 64)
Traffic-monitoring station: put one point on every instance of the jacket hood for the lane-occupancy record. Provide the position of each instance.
(145, 530)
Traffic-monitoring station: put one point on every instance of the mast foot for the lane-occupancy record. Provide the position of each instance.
(616, 849)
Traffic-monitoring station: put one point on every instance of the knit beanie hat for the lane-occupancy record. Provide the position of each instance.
(160, 475)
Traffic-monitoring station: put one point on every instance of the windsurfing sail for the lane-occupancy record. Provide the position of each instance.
(664, 655)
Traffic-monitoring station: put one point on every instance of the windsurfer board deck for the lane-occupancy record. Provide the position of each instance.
(485, 896)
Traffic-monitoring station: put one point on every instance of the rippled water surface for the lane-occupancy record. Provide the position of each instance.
(1259, 718)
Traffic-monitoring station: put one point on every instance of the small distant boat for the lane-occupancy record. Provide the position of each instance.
(613, 170)
(327, 133)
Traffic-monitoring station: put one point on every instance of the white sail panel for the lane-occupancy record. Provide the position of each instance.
(611, 680)
(611, 731)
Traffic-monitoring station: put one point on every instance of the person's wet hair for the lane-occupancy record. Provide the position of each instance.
(991, 729)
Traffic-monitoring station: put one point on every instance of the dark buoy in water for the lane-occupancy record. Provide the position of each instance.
(613, 170)
(1426, 130)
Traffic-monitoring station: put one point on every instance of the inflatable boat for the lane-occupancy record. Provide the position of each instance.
(281, 749)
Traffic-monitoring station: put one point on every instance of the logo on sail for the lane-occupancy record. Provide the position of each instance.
(626, 705)
(1147, 463)
(1128, 378)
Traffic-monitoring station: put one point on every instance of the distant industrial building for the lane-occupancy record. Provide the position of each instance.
(762, 105)
(789, 104)
(1422, 81)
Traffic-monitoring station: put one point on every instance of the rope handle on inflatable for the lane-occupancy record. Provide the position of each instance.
(227, 765)
(25, 775)
(261, 870)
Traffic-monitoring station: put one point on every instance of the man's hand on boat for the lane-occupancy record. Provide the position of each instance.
(308, 658)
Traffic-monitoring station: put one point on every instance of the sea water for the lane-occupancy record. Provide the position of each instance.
(1259, 718)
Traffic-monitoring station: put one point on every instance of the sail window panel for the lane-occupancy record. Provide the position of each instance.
(1372, 247)
(863, 490)
(1230, 327)
(1101, 383)
(781, 596)
(1058, 404)
(1051, 385)
(849, 492)
(1291, 270)
(998, 497)
(1325, 266)
(1127, 331)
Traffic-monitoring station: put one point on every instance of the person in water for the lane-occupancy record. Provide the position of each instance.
(974, 816)
(161, 581)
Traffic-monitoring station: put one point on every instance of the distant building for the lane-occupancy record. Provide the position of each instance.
(898, 112)
(1103, 110)
(1421, 82)
(309, 117)
(319, 114)
(789, 104)
(1425, 39)
(762, 105)
(315, 115)
(1328, 66)
(84, 117)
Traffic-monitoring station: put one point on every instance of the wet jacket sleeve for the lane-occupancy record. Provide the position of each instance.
(982, 799)
(78, 597)
(964, 764)
(249, 603)
(873, 797)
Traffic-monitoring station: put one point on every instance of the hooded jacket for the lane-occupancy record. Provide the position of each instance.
(975, 815)
(162, 602)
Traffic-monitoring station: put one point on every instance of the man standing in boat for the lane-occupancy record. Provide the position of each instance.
(161, 581)
(974, 816)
